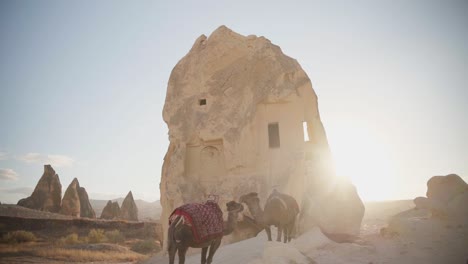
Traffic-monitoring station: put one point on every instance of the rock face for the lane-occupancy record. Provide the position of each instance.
(243, 117)
(447, 197)
(129, 210)
(86, 210)
(71, 200)
(76, 202)
(445, 188)
(47, 195)
(111, 211)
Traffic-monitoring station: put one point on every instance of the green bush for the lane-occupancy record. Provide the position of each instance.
(71, 239)
(115, 236)
(145, 246)
(96, 236)
(19, 236)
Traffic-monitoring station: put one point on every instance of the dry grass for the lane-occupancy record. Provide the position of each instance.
(42, 250)
(79, 255)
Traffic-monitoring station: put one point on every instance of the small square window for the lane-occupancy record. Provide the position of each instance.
(202, 102)
(273, 135)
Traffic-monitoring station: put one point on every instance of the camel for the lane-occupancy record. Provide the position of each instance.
(181, 237)
(280, 210)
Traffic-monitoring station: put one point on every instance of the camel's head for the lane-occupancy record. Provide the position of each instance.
(250, 198)
(233, 206)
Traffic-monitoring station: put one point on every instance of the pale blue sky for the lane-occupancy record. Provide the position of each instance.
(85, 81)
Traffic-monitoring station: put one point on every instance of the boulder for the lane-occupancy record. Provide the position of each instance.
(447, 197)
(47, 195)
(337, 209)
(242, 117)
(129, 210)
(86, 210)
(111, 211)
(458, 207)
(445, 188)
(71, 200)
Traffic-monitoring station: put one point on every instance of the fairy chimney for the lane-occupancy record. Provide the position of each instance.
(47, 195)
(242, 117)
(71, 200)
(129, 210)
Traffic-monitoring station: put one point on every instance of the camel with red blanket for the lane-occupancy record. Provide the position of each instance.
(200, 226)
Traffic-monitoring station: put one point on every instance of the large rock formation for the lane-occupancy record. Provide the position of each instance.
(111, 211)
(47, 195)
(86, 210)
(243, 117)
(447, 197)
(75, 201)
(129, 210)
(71, 200)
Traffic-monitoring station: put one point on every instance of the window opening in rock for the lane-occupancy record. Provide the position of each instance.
(202, 102)
(273, 135)
(306, 132)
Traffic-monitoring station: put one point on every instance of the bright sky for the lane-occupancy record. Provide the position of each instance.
(83, 83)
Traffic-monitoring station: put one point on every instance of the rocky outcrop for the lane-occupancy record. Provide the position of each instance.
(75, 201)
(243, 117)
(129, 210)
(47, 195)
(71, 200)
(86, 210)
(335, 207)
(111, 211)
(447, 197)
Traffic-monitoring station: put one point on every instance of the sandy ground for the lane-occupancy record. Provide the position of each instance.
(421, 240)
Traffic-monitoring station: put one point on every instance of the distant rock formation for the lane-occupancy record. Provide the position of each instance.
(86, 210)
(71, 200)
(129, 210)
(111, 211)
(47, 195)
(447, 197)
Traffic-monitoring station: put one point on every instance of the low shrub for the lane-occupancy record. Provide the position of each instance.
(19, 236)
(96, 236)
(115, 236)
(71, 239)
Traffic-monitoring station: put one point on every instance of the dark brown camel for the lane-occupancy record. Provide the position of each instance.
(180, 236)
(280, 210)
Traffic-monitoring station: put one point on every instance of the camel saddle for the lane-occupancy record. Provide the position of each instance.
(205, 219)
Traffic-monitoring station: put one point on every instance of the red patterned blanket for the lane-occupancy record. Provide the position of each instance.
(206, 219)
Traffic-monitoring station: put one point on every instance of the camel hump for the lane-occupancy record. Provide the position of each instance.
(290, 202)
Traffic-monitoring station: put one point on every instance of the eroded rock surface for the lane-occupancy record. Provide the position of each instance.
(129, 210)
(111, 211)
(447, 197)
(71, 200)
(86, 210)
(47, 195)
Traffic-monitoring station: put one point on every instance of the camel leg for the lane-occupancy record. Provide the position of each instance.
(280, 230)
(291, 231)
(268, 231)
(286, 234)
(182, 251)
(214, 246)
(203, 255)
(172, 251)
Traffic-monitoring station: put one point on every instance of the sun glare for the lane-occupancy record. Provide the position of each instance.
(360, 155)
